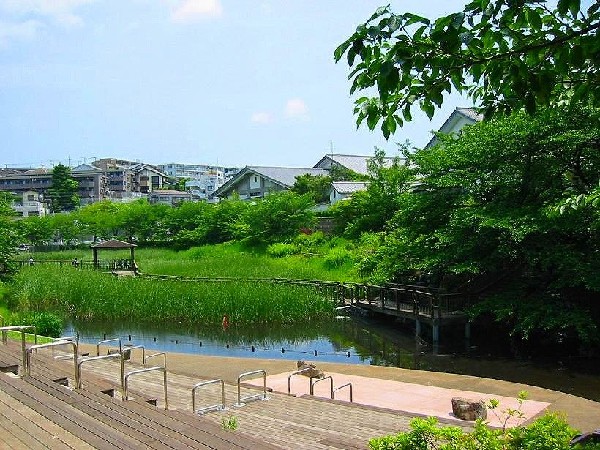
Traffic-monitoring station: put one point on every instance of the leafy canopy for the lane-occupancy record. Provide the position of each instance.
(63, 193)
(504, 54)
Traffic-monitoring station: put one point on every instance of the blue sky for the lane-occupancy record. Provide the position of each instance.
(228, 82)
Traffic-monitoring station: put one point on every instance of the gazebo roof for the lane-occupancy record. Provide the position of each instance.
(113, 243)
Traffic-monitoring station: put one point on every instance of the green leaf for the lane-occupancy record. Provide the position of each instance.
(533, 18)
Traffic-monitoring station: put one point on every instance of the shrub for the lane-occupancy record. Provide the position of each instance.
(280, 250)
(47, 324)
(549, 432)
(336, 258)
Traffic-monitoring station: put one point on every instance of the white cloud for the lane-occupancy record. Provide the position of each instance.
(295, 108)
(22, 31)
(61, 11)
(261, 118)
(193, 10)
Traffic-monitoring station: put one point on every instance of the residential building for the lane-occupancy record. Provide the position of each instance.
(170, 197)
(341, 190)
(459, 118)
(91, 182)
(356, 163)
(30, 204)
(257, 182)
(202, 180)
(127, 180)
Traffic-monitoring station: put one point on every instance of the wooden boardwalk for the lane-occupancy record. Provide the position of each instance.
(37, 412)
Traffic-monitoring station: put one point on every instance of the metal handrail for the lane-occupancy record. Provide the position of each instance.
(153, 355)
(94, 358)
(312, 385)
(128, 348)
(22, 329)
(208, 408)
(341, 387)
(251, 397)
(52, 344)
(297, 372)
(149, 369)
(104, 341)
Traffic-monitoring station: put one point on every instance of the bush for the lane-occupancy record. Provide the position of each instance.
(549, 432)
(336, 258)
(47, 324)
(280, 250)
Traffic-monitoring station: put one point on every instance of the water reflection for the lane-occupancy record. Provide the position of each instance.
(352, 340)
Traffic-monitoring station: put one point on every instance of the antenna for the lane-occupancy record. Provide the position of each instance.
(331, 147)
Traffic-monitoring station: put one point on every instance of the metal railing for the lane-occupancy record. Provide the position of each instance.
(262, 396)
(22, 329)
(139, 371)
(106, 341)
(48, 345)
(297, 372)
(154, 355)
(97, 358)
(341, 387)
(312, 385)
(128, 354)
(218, 407)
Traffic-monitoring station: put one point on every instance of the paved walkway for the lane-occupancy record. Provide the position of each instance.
(407, 398)
(581, 413)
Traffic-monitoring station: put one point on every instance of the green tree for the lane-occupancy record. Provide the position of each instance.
(100, 219)
(318, 186)
(8, 236)
(504, 54)
(485, 210)
(277, 217)
(36, 230)
(370, 210)
(63, 193)
(139, 219)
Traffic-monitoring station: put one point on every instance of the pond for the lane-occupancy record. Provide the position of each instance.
(355, 340)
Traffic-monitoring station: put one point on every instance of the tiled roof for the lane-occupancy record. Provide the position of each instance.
(170, 192)
(113, 243)
(349, 187)
(471, 113)
(286, 175)
(356, 163)
(447, 127)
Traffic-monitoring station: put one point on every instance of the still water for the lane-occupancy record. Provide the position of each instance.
(355, 340)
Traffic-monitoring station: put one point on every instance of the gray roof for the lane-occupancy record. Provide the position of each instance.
(470, 113)
(356, 163)
(349, 187)
(286, 176)
(113, 243)
(85, 168)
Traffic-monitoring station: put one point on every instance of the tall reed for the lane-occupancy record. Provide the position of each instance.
(87, 294)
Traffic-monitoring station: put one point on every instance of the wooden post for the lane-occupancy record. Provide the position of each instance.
(468, 330)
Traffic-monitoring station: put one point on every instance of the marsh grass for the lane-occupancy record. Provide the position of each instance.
(223, 260)
(87, 294)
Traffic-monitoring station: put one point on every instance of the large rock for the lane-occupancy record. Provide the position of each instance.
(310, 370)
(466, 409)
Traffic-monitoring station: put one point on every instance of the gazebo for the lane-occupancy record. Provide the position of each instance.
(113, 244)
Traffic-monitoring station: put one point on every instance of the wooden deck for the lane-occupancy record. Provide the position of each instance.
(38, 412)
